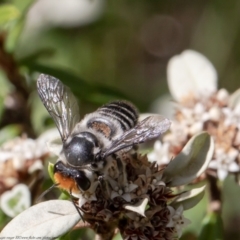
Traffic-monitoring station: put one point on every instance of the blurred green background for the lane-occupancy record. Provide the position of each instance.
(106, 50)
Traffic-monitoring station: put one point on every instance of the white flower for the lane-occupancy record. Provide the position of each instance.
(191, 73)
(20, 150)
(139, 207)
(225, 162)
(66, 13)
(232, 117)
(177, 220)
(145, 211)
(89, 195)
(202, 107)
(125, 192)
(16, 200)
(160, 153)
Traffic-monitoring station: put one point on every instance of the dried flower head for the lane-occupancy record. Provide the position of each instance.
(201, 107)
(138, 198)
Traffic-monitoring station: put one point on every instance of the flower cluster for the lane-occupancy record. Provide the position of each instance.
(135, 200)
(128, 192)
(138, 198)
(200, 107)
(21, 162)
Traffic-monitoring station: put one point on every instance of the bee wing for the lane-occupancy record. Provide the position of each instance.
(60, 103)
(148, 129)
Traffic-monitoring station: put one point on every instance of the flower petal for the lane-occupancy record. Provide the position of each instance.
(191, 162)
(222, 173)
(127, 197)
(214, 164)
(190, 72)
(164, 105)
(189, 199)
(55, 146)
(37, 165)
(233, 167)
(139, 207)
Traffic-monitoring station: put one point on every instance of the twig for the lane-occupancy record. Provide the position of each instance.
(215, 195)
(16, 105)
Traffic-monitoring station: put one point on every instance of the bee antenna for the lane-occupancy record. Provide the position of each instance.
(99, 156)
(77, 208)
(47, 191)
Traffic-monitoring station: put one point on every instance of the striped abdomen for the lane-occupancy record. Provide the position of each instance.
(112, 116)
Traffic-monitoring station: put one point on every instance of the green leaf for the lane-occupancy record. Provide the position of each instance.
(6, 86)
(5, 89)
(18, 15)
(64, 237)
(39, 114)
(191, 162)
(3, 219)
(1, 105)
(64, 195)
(32, 57)
(13, 35)
(50, 171)
(8, 12)
(188, 236)
(83, 233)
(97, 94)
(212, 227)
(23, 5)
(189, 199)
(118, 237)
(9, 132)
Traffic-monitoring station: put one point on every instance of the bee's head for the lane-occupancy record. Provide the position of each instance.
(81, 149)
(70, 174)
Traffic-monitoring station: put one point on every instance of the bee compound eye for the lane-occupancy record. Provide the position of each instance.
(79, 151)
(82, 181)
(58, 167)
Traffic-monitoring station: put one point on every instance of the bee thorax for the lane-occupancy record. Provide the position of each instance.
(80, 149)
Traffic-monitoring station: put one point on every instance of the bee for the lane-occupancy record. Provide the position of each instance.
(88, 144)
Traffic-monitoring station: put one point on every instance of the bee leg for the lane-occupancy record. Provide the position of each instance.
(135, 147)
(121, 168)
(104, 187)
(119, 162)
(77, 208)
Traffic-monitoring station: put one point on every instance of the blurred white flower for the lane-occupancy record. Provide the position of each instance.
(225, 163)
(21, 157)
(16, 200)
(20, 150)
(201, 107)
(120, 189)
(177, 220)
(89, 195)
(160, 153)
(140, 195)
(64, 13)
(191, 73)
